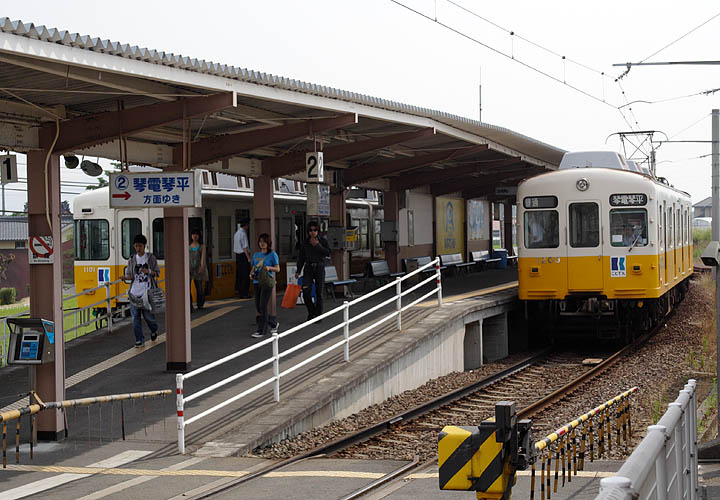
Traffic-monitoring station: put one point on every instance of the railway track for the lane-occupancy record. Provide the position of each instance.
(534, 384)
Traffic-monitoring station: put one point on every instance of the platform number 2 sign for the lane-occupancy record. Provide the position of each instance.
(8, 169)
(314, 166)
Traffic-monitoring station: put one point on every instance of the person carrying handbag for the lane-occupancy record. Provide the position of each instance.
(265, 264)
(198, 270)
(142, 269)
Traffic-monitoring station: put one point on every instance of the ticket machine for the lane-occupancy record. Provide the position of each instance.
(32, 341)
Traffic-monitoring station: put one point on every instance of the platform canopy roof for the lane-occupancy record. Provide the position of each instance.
(113, 99)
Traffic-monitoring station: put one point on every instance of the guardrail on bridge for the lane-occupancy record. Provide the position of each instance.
(665, 463)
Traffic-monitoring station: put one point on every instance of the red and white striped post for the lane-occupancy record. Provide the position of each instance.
(180, 413)
(346, 329)
(439, 281)
(276, 365)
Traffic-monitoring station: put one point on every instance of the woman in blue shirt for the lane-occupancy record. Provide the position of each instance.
(268, 259)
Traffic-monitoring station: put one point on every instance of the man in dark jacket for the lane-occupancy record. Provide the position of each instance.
(311, 261)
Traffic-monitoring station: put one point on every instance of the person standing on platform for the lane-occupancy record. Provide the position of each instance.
(265, 259)
(142, 268)
(241, 247)
(198, 270)
(311, 262)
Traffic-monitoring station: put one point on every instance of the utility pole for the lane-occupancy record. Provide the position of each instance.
(480, 95)
(716, 234)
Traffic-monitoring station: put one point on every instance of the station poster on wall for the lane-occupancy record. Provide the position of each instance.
(450, 225)
(477, 220)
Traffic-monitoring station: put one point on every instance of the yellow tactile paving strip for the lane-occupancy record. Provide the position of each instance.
(124, 356)
(340, 474)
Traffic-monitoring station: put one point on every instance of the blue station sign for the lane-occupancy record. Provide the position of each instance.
(163, 189)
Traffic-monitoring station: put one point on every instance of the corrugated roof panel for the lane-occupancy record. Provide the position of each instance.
(500, 135)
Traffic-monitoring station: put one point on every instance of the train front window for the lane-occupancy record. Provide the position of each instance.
(542, 229)
(628, 228)
(130, 229)
(584, 225)
(92, 240)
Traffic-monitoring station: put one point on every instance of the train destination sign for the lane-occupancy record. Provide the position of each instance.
(628, 200)
(162, 189)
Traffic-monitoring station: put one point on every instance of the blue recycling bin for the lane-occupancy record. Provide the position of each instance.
(501, 253)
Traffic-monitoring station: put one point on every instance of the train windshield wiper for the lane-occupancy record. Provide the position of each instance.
(637, 238)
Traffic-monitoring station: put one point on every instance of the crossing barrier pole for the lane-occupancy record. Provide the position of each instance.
(398, 302)
(346, 329)
(439, 281)
(180, 413)
(109, 307)
(276, 365)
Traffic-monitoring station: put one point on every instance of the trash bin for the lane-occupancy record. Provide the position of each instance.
(501, 253)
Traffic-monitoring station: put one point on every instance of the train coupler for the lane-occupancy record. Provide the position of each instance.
(485, 458)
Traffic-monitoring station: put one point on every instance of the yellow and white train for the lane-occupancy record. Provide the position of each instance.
(601, 243)
(103, 236)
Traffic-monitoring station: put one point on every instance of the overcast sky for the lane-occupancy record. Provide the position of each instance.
(380, 48)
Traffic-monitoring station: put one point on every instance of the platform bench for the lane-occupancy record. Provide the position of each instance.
(455, 261)
(422, 261)
(332, 281)
(378, 270)
(482, 259)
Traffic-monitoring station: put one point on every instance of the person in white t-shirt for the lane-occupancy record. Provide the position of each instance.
(241, 247)
(142, 268)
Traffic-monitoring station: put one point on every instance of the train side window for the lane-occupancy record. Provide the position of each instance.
(542, 229)
(92, 239)
(584, 225)
(130, 229)
(158, 238)
(225, 237)
(628, 227)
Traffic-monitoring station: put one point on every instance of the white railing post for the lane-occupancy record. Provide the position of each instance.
(276, 365)
(346, 329)
(661, 479)
(680, 441)
(109, 307)
(75, 315)
(692, 408)
(180, 413)
(398, 302)
(439, 281)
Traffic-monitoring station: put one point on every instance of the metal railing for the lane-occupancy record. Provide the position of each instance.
(82, 315)
(664, 466)
(33, 409)
(277, 355)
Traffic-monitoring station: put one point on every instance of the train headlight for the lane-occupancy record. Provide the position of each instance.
(582, 184)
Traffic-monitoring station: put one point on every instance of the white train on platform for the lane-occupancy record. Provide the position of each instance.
(103, 236)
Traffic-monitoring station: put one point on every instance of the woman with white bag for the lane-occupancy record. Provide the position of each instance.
(141, 271)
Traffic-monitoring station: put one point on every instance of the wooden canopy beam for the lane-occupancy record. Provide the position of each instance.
(223, 147)
(381, 169)
(295, 162)
(86, 131)
(401, 183)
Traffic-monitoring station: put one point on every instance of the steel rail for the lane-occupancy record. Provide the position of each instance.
(388, 478)
(372, 430)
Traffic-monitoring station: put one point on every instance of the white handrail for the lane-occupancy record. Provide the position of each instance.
(277, 354)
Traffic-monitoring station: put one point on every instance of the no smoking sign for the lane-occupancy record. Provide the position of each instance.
(40, 250)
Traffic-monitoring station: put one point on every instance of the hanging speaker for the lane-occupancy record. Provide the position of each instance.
(71, 161)
(91, 168)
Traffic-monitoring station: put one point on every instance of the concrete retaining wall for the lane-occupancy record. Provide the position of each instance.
(456, 337)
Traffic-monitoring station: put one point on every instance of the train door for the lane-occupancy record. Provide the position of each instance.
(585, 255)
(128, 224)
(678, 243)
(670, 245)
(209, 248)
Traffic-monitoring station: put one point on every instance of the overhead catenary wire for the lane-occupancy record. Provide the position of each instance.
(503, 54)
(680, 38)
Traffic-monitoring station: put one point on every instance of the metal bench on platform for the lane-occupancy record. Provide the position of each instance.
(482, 259)
(455, 261)
(332, 280)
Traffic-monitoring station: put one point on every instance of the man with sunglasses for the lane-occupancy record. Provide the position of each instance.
(311, 261)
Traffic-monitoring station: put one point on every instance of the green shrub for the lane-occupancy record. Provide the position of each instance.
(7, 296)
